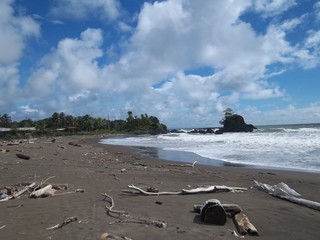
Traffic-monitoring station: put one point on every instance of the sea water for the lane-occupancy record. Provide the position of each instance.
(295, 147)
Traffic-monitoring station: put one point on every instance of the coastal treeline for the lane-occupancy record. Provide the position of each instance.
(61, 122)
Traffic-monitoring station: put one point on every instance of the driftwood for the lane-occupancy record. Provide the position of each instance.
(214, 212)
(108, 236)
(74, 144)
(65, 222)
(183, 165)
(23, 156)
(24, 190)
(125, 217)
(209, 189)
(232, 209)
(243, 224)
(43, 192)
(283, 191)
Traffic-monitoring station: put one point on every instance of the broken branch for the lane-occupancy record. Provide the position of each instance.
(65, 222)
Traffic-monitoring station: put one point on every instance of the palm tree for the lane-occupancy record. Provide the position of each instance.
(5, 120)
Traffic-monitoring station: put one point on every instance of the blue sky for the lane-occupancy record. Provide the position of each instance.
(180, 60)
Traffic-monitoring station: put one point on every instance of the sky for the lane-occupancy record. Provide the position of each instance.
(183, 61)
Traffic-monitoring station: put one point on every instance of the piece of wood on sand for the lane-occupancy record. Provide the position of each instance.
(65, 222)
(18, 194)
(108, 236)
(23, 156)
(243, 224)
(74, 144)
(43, 192)
(214, 212)
(232, 209)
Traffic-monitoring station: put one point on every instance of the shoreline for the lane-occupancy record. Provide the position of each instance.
(100, 168)
(191, 157)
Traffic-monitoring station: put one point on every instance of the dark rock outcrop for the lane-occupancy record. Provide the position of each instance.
(236, 123)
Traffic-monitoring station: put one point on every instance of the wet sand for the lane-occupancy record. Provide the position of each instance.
(98, 169)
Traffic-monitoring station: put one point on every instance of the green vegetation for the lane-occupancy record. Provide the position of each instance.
(62, 124)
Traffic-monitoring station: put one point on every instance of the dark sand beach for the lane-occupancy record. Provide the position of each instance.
(98, 169)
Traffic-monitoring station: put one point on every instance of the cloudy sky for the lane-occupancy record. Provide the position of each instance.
(183, 61)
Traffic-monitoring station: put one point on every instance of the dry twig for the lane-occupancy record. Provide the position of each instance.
(65, 222)
(184, 165)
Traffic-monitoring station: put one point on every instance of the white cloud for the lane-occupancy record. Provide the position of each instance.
(317, 10)
(104, 9)
(71, 67)
(273, 7)
(14, 32)
(171, 38)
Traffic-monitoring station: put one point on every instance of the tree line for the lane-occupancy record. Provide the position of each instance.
(63, 122)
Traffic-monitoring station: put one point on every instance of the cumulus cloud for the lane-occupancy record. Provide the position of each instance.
(104, 9)
(71, 67)
(155, 72)
(15, 32)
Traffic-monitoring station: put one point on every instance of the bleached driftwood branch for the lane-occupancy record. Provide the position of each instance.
(24, 190)
(283, 191)
(65, 222)
(209, 189)
(125, 217)
(183, 165)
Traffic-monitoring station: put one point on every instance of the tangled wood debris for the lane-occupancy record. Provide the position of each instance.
(125, 217)
(35, 190)
(209, 189)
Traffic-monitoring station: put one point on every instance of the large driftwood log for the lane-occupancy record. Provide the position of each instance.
(232, 209)
(243, 224)
(212, 212)
(209, 189)
(283, 191)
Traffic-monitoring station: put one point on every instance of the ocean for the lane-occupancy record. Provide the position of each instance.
(287, 147)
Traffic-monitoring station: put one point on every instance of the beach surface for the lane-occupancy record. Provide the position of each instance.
(98, 169)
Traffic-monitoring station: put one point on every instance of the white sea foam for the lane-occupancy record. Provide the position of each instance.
(279, 147)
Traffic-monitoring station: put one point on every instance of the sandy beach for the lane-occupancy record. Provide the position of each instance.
(104, 169)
